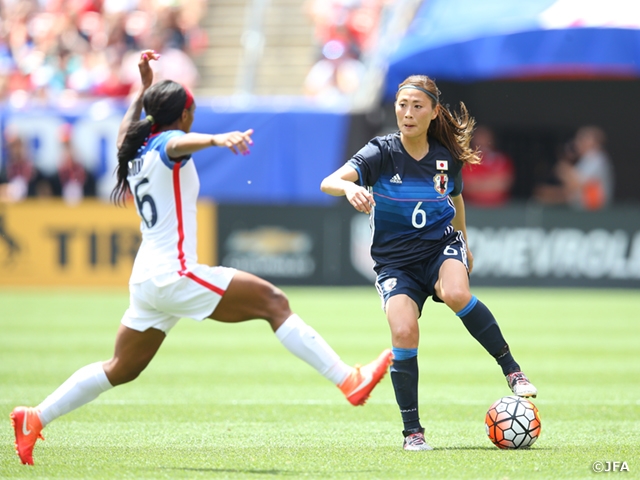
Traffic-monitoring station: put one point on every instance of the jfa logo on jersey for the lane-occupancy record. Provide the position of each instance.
(441, 182)
(442, 165)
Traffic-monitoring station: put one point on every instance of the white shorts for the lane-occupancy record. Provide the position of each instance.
(163, 300)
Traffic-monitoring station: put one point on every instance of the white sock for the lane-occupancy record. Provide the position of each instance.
(307, 344)
(82, 387)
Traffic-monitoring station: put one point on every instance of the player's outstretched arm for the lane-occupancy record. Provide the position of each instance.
(237, 142)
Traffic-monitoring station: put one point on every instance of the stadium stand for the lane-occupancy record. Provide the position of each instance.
(60, 58)
(256, 47)
(78, 48)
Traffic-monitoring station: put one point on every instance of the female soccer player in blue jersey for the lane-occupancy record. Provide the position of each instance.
(167, 282)
(410, 183)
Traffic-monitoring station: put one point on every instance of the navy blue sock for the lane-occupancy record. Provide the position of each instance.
(482, 325)
(404, 376)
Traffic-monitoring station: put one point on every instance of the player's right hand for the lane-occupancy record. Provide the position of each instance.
(146, 74)
(360, 198)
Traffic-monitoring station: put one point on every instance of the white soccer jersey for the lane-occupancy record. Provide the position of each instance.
(165, 193)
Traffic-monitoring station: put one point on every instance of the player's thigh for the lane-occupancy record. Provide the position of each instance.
(452, 286)
(248, 297)
(402, 315)
(403, 296)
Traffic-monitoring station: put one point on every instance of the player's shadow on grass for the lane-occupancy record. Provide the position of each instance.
(237, 470)
(251, 471)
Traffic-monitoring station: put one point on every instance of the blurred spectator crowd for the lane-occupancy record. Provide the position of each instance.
(57, 52)
(20, 178)
(54, 49)
(581, 178)
(345, 31)
(489, 183)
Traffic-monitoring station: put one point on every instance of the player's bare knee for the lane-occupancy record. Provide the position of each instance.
(276, 306)
(455, 297)
(278, 303)
(403, 335)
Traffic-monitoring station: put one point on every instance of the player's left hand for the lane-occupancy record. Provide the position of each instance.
(237, 142)
(469, 259)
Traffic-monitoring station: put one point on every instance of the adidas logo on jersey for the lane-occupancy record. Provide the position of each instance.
(396, 179)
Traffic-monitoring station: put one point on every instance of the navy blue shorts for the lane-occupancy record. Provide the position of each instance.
(418, 280)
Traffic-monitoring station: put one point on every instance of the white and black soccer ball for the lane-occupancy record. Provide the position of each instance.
(513, 422)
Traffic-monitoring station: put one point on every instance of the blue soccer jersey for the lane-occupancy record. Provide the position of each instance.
(413, 198)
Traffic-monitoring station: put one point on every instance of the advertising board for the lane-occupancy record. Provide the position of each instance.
(520, 245)
(94, 243)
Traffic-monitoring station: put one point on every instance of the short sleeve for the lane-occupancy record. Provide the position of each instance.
(457, 184)
(368, 163)
(161, 145)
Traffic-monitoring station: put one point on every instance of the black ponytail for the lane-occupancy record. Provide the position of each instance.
(164, 103)
(136, 135)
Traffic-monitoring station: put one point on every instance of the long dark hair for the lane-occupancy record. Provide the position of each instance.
(453, 130)
(164, 101)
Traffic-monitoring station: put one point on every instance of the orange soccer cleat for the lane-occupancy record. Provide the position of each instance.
(362, 380)
(27, 426)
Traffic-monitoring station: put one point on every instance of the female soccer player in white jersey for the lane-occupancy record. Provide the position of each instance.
(410, 184)
(167, 283)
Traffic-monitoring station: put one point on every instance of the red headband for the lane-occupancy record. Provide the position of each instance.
(189, 102)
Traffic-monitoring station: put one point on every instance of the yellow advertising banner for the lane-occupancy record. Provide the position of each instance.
(94, 243)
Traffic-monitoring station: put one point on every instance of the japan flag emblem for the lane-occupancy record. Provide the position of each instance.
(441, 183)
(442, 165)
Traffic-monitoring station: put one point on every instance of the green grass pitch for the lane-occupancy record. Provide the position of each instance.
(228, 401)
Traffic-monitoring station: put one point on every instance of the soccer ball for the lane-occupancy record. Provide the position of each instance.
(512, 422)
